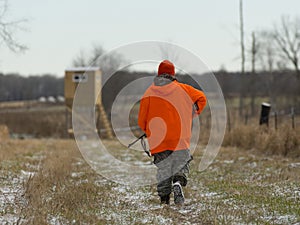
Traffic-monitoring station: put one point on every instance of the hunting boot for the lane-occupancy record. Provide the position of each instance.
(178, 193)
(165, 199)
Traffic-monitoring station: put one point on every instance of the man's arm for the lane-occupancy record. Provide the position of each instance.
(200, 102)
(197, 96)
(143, 113)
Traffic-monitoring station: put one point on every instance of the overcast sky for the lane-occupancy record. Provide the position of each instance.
(58, 29)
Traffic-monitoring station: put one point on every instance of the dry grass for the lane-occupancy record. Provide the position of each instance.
(43, 122)
(285, 141)
(14, 150)
(238, 188)
(4, 132)
(54, 192)
(49, 121)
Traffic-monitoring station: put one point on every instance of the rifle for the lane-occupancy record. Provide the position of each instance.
(143, 143)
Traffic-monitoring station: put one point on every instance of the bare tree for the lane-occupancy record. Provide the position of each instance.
(80, 60)
(269, 60)
(243, 58)
(242, 42)
(168, 51)
(255, 47)
(287, 37)
(109, 63)
(254, 51)
(8, 29)
(266, 52)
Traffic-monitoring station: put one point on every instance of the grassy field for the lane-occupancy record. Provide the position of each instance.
(44, 120)
(47, 181)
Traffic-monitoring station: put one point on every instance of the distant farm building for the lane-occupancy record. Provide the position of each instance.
(89, 79)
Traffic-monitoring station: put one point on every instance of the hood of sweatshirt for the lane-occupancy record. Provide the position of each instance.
(163, 86)
(162, 80)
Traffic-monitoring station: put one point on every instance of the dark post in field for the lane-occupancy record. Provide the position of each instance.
(265, 112)
(293, 117)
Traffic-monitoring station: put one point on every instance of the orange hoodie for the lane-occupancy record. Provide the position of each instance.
(166, 115)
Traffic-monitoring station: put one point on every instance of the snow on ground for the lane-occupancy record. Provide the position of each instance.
(11, 198)
(140, 205)
(12, 189)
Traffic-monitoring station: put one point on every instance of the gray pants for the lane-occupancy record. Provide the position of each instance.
(172, 166)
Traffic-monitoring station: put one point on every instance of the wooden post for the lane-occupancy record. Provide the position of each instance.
(229, 124)
(67, 121)
(246, 118)
(265, 111)
(275, 120)
(293, 117)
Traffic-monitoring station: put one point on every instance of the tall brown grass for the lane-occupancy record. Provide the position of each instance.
(4, 133)
(284, 141)
(54, 191)
(45, 122)
(50, 121)
(11, 149)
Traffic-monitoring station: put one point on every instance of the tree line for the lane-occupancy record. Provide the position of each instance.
(14, 87)
(281, 88)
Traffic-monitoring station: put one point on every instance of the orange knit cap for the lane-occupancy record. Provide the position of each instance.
(166, 67)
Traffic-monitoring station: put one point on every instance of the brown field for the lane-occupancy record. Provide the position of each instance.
(254, 179)
(34, 119)
(4, 132)
(47, 181)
